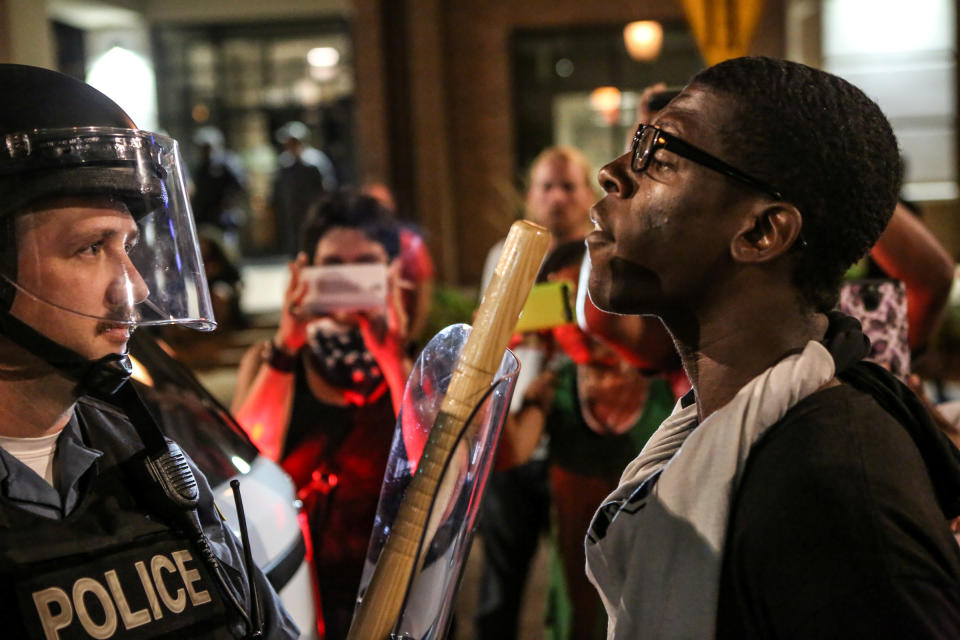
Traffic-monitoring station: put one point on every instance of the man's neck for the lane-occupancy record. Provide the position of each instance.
(32, 406)
(739, 342)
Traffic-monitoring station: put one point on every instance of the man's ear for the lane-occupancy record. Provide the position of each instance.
(768, 232)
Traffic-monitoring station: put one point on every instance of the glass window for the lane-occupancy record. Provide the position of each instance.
(248, 80)
(556, 71)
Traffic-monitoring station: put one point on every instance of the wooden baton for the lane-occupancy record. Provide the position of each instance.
(523, 251)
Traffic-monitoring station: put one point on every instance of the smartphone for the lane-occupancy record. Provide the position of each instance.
(344, 287)
(660, 99)
(549, 305)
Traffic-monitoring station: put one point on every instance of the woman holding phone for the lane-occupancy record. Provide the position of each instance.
(321, 396)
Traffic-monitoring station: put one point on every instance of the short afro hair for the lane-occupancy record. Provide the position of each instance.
(350, 210)
(825, 146)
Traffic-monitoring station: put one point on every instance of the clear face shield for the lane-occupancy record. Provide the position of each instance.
(96, 221)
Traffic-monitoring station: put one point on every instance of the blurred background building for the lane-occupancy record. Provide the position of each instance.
(446, 102)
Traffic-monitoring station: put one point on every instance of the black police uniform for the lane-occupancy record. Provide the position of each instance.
(92, 561)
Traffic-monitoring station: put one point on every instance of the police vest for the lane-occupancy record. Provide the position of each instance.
(106, 571)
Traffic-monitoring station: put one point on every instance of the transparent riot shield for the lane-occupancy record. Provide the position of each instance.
(445, 542)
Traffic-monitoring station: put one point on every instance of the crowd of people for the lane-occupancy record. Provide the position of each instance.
(723, 439)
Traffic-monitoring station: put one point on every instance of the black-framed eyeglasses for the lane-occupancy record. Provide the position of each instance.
(649, 138)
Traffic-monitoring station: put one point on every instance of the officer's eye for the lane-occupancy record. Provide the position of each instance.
(92, 249)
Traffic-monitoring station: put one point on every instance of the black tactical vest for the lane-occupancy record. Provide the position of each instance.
(109, 569)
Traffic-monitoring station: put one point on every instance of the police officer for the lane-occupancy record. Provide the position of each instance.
(106, 529)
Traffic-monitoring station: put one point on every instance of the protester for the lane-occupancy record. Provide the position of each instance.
(906, 251)
(597, 410)
(516, 504)
(304, 173)
(219, 186)
(909, 252)
(321, 397)
(811, 493)
(559, 195)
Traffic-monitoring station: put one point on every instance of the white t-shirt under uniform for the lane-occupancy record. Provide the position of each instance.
(36, 453)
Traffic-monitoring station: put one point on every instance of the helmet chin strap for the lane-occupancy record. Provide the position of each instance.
(102, 377)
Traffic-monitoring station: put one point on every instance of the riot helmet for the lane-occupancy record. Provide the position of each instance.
(95, 220)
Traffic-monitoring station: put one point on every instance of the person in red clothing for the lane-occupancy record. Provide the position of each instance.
(323, 395)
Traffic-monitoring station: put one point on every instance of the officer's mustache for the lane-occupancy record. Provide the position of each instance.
(126, 317)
